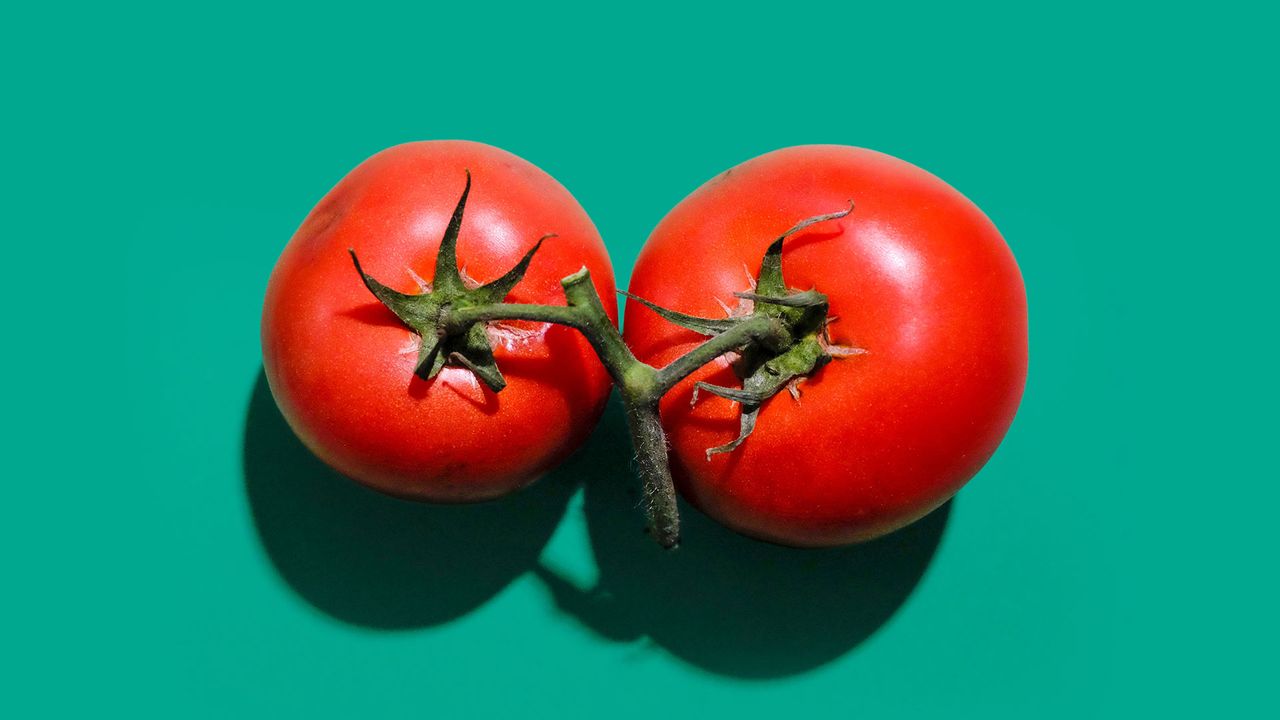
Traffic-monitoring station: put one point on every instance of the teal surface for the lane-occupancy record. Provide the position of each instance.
(170, 551)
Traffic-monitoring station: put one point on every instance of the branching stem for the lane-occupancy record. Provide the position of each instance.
(641, 385)
(779, 340)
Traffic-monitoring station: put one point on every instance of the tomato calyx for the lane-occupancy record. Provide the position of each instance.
(767, 368)
(428, 312)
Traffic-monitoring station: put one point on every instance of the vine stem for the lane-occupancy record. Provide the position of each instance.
(641, 385)
(449, 319)
(650, 443)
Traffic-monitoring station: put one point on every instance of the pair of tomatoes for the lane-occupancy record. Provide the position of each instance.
(919, 283)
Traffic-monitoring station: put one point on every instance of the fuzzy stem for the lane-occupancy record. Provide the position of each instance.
(650, 444)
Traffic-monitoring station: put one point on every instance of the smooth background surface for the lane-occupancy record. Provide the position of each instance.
(168, 552)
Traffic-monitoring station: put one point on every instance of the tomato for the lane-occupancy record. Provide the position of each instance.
(342, 366)
(916, 276)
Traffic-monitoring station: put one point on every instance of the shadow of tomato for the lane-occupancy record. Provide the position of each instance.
(724, 602)
(372, 560)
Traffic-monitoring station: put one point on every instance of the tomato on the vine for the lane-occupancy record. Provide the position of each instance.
(355, 383)
(926, 302)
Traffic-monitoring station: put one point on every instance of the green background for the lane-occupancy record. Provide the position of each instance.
(169, 551)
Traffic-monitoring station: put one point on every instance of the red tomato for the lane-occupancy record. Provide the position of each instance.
(916, 275)
(341, 366)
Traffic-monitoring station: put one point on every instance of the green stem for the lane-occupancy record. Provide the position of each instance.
(641, 385)
(767, 331)
(449, 320)
(650, 444)
(459, 319)
(585, 313)
(630, 374)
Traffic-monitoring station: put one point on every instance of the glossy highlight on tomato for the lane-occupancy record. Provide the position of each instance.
(917, 277)
(341, 365)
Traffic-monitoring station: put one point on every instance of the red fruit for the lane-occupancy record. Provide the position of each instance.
(917, 276)
(341, 365)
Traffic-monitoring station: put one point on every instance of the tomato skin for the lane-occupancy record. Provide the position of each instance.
(917, 276)
(340, 365)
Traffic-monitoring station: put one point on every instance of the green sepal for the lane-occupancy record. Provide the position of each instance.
(424, 313)
(411, 310)
(448, 279)
(704, 326)
(768, 370)
(768, 379)
(808, 298)
(497, 291)
(770, 281)
(430, 357)
(477, 356)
